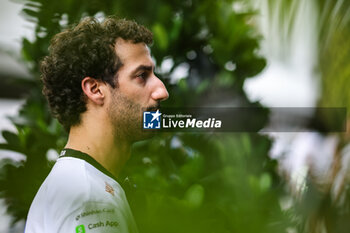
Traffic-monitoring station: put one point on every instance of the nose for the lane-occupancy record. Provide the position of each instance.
(160, 92)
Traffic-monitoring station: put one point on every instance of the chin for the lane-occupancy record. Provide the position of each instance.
(141, 135)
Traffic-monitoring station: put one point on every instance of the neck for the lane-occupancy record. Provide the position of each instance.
(102, 145)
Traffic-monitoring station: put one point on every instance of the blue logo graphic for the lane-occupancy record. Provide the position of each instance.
(151, 120)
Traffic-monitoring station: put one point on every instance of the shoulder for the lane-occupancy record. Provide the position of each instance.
(64, 191)
(68, 179)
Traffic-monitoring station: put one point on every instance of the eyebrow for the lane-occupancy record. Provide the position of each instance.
(143, 67)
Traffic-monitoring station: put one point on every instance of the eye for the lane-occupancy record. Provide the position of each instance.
(142, 76)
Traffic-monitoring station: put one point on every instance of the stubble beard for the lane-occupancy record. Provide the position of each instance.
(126, 119)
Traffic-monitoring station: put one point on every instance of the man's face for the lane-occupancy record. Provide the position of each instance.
(138, 89)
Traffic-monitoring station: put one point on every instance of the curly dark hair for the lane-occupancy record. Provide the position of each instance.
(86, 50)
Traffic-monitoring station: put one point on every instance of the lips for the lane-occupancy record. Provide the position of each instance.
(153, 108)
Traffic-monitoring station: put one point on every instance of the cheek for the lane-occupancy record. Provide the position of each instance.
(136, 92)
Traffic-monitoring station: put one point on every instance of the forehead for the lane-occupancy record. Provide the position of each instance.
(133, 55)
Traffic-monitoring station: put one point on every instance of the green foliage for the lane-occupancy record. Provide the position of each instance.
(323, 206)
(335, 70)
(206, 183)
(176, 182)
(36, 133)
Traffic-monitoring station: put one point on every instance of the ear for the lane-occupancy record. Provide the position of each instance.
(94, 90)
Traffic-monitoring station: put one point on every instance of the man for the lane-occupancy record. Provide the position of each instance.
(98, 78)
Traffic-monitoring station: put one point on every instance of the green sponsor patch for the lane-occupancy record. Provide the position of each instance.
(80, 229)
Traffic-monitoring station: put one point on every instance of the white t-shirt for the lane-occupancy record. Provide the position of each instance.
(78, 196)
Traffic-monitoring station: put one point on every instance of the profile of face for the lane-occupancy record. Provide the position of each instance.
(138, 89)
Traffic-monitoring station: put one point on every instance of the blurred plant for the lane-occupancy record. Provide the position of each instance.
(176, 182)
(326, 207)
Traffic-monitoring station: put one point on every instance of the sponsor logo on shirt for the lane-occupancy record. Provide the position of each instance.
(103, 224)
(92, 212)
(80, 229)
(62, 153)
(109, 189)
